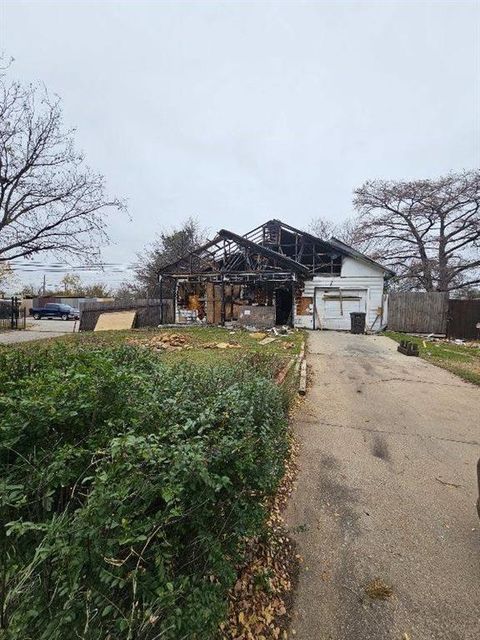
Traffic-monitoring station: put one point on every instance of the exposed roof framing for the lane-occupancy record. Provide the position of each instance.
(274, 249)
(319, 256)
(275, 234)
(266, 232)
(229, 253)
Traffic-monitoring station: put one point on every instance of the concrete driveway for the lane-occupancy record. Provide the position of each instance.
(387, 490)
(39, 330)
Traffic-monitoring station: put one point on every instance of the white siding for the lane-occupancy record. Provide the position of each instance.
(353, 268)
(362, 277)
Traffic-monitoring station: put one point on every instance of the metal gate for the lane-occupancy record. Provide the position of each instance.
(11, 315)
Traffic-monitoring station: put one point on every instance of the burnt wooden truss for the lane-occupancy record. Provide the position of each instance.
(273, 252)
(318, 256)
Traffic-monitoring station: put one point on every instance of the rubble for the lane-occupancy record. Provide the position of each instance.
(221, 345)
(164, 341)
(436, 338)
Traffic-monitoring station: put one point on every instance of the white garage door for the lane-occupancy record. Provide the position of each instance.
(333, 307)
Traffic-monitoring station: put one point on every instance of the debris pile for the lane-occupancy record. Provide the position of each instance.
(442, 339)
(165, 342)
(222, 345)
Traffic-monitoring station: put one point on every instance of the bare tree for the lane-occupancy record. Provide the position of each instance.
(347, 231)
(49, 199)
(324, 228)
(427, 231)
(167, 248)
(72, 284)
(6, 276)
(127, 292)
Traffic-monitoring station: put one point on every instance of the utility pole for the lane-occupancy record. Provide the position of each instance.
(44, 284)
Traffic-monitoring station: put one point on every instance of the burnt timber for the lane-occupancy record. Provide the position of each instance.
(232, 275)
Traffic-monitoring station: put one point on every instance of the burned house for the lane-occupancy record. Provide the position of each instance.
(275, 275)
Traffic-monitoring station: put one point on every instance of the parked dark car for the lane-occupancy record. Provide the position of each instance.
(54, 310)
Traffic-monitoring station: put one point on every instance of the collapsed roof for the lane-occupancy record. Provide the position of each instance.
(272, 251)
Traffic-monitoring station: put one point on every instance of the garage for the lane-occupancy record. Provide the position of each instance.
(275, 274)
(333, 307)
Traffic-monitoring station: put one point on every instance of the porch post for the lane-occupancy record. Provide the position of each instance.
(175, 302)
(292, 285)
(222, 309)
(160, 282)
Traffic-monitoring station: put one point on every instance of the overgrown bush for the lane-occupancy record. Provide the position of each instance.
(127, 490)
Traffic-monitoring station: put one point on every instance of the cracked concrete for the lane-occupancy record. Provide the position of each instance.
(386, 489)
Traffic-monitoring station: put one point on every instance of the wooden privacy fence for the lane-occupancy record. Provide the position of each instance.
(464, 319)
(418, 312)
(149, 312)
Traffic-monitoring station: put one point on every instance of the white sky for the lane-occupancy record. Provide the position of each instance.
(236, 112)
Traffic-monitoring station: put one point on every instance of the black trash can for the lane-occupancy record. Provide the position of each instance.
(357, 322)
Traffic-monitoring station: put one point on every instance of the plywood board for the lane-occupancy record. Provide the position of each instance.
(267, 340)
(214, 303)
(116, 321)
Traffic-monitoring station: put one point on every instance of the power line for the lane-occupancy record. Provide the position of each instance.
(36, 263)
(64, 270)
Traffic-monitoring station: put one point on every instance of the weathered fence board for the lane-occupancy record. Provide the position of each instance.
(418, 312)
(168, 314)
(149, 312)
(464, 316)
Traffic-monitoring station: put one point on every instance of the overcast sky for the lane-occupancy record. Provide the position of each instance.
(236, 112)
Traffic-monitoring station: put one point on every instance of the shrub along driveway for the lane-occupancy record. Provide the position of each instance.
(132, 474)
(386, 490)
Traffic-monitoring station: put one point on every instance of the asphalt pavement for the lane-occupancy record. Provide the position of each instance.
(386, 492)
(39, 330)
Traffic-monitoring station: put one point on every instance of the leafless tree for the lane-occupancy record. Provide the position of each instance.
(49, 199)
(6, 276)
(169, 246)
(427, 231)
(347, 231)
(324, 228)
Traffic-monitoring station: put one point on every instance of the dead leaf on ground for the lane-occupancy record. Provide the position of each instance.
(378, 590)
(260, 600)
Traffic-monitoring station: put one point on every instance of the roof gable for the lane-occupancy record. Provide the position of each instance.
(272, 247)
(270, 234)
(230, 253)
